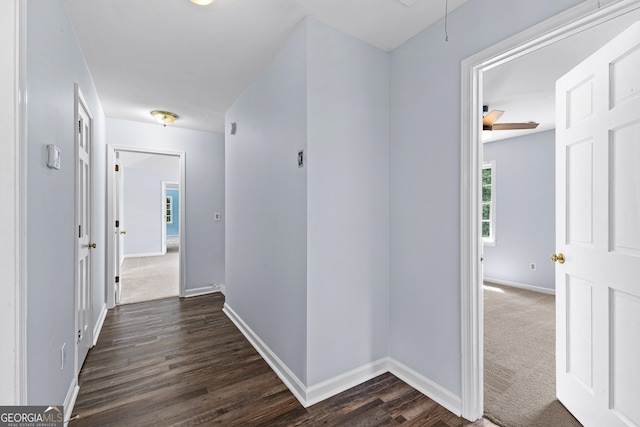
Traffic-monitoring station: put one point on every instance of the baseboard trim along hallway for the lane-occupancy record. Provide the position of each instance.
(316, 393)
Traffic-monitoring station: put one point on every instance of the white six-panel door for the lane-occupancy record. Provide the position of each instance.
(84, 218)
(598, 234)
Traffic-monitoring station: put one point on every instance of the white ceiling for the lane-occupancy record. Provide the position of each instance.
(196, 60)
(524, 88)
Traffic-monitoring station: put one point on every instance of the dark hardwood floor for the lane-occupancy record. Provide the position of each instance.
(183, 362)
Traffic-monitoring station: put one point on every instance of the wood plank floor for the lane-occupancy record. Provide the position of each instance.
(184, 363)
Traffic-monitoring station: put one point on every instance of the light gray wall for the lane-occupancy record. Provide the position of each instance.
(525, 210)
(266, 199)
(54, 64)
(144, 208)
(204, 191)
(425, 180)
(307, 248)
(348, 202)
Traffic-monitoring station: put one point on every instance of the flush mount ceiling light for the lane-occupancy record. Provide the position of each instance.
(202, 2)
(164, 117)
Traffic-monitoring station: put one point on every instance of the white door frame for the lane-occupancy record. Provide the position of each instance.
(13, 174)
(581, 17)
(111, 214)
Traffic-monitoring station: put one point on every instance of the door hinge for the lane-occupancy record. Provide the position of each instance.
(117, 279)
(117, 223)
(79, 335)
(117, 168)
(80, 231)
(80, 127)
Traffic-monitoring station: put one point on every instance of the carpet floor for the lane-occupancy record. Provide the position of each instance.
(519, 359)
(150, 278)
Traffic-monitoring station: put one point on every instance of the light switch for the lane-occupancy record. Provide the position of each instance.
(53, 156)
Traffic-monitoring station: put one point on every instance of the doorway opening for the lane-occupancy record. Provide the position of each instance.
(146, 253)
(572, 22)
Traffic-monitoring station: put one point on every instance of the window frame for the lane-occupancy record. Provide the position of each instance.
(168, 209)
(491, 240)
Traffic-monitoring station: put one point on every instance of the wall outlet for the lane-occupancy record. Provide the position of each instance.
(63, 356)
(532, 266)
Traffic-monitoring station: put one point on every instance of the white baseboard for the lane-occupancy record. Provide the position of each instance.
(427, 387)
(288, 378)
(204, 290)
(325, 389)
(316, 393)
(520, 285)
(143, 255)
(70, 400)
(98, 326)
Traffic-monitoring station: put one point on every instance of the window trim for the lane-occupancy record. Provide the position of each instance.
(489, 241)
(169, 210)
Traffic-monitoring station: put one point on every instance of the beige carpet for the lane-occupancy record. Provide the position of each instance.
(149, 278)
(519, 359)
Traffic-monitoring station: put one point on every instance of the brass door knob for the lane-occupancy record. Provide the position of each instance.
(93, 245)
(123, 232)
(559, 258)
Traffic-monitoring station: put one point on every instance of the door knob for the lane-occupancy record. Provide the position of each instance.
(123, 232)
(93, 245)
(559, 258)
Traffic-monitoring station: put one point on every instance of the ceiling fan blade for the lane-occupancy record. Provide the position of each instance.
(515, 126)
(492, 117)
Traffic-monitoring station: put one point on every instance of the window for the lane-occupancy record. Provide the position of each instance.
(489, 203)
(169, 209)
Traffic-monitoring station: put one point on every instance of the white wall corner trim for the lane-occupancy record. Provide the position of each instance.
(210, 289)
(520, 285)
(70, 400)
(290, 380)
(98, 326)
(325, 389)
(427, 387)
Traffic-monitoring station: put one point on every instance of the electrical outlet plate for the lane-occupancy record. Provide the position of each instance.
(532, 266)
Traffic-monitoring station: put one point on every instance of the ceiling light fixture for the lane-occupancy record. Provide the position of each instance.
(202, 2)
(164, 117)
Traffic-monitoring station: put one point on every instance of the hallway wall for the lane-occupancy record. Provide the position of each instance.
(54, 63)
